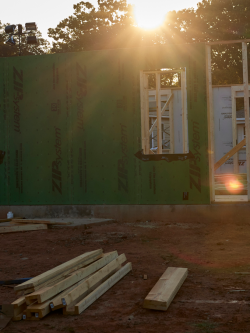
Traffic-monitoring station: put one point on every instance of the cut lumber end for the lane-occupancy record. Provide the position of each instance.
(164, 291)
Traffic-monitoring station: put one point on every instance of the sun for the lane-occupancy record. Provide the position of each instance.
(148, 17)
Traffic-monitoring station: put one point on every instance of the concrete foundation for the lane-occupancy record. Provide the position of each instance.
(234, 212)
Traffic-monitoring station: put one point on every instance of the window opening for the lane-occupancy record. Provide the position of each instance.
(164, 111)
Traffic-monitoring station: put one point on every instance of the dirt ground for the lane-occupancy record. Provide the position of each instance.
(213, 298)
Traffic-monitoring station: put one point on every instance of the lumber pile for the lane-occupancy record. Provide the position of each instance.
(164, 291)
(18, 224)
(72, 286)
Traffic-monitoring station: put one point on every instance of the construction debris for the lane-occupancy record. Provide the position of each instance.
(18, 228)
(73, 286)
(162, 294)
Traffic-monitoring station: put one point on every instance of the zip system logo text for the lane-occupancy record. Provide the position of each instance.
(194, 169)
(18, 95)
(56, 165)
(123, 162)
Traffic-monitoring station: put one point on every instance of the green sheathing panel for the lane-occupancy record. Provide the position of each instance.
(71, 125)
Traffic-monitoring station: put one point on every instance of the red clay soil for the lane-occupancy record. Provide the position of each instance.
(212, 253)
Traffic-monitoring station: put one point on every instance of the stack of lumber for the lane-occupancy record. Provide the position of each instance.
(16, 225)
(72, 286)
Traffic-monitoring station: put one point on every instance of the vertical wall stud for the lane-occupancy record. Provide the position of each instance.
(210, 120)
(246, 109)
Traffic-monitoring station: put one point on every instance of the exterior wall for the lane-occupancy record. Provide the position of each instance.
(70, 126)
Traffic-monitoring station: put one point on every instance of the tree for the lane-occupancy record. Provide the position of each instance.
(12, 51)
(214, 20)
(111, 25)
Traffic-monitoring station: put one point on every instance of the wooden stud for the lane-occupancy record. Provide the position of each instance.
(168, 102)
(230, 154)
(171, 124)
(162, 294)
(158, 112)
(18, 228)
(234, 128)
(210, 120)
(146, 115)
(228, 42)
(246, 108)
(105, 286)
(142, 100)
(184, 112)
(91, 281)
(48, 292)
(63, 269)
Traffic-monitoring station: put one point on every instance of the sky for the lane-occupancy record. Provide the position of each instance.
(48, 13)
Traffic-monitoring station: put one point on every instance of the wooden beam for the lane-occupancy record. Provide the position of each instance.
(162, 294)
(18, 228)
(105, 286)
(65, 268)
(162, 111)
(39, 310)
(142, 100)
(46, 293)
(235, 132)
(246, 109)
(70, 310)
(91, 281)
(210, 120)
(146, 114)
(39, 222)
(229, 154)
(184, 112)
(228, 42)
(158, 112)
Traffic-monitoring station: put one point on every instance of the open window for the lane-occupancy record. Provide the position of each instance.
(164, 127)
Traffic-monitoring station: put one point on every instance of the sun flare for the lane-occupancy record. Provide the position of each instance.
(148, 18)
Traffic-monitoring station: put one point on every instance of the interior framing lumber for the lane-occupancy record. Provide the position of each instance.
(231, 153)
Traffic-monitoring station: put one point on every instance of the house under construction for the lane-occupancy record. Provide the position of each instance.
(99, 133)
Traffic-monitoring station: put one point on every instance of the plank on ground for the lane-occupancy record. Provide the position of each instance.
(48, 292)
(23, 221)
(105, 286)
(19, 228)
(91, 281)
(164, 291)
(62, 269)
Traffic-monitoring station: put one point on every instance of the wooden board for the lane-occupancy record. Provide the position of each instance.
(41, 309)
(64, 268)
(23, 221)
(48, 292)
(230, 154)
(19, 228)
(162, 294)
(70, 310)
(105, 286)
(91, 281)
(56, 302)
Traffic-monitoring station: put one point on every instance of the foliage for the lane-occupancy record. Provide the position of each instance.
(110, 25)
(12, 51)
(214, 20)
